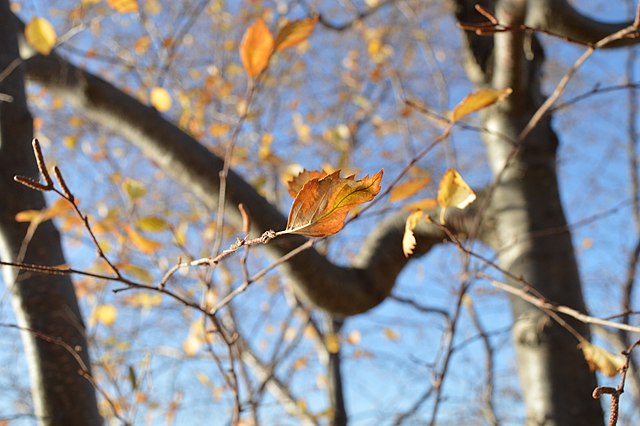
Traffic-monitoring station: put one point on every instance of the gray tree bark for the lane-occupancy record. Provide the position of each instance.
(45, 305)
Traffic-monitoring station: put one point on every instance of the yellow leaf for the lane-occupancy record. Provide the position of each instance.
(143, 244)
(408, 239)
(134, 189)
(160, 99)
(123, 6)
(40, 35)
(256, 48)
(408, 189)
(453, 192)
(601, 360)
(391, 334)
(332, 341)
(322, 204)
(152, 224)
(137, 272)
(105, 314)
(295, 32)
(477, 101)
(145, 300)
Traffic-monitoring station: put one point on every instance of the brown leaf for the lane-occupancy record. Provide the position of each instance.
(477, 101)
(295, 32)
(256, 48)
(297, 182)
(322, 204)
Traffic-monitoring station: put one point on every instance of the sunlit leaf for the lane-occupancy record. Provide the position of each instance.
(453, 192)
(599, 359)
(139, 273)
(256, 48)
(408, 189)
(160, 99)
(322, 204)
(408, 239)
(426, 204)
(332, 342)
(477, 101)
(134, 189)
(391, 334)
(297, 182)
(123, 6)
(104, 314)
(295, 32)
(40, 35)
(152, 224)
(143, 244)
(29, 215)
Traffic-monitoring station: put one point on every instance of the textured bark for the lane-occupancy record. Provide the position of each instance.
(45, 305)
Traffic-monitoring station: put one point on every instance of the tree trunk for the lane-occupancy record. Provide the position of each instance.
(46, 307)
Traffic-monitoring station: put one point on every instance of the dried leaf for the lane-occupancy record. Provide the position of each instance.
(160, 99)
(453, 192)
(295, 32)
(601, 360)
(322, 204)
(408, 239)
(256, 48)
(40, 35)
(408, 189)
(477, 101)
(297, 182)
(123, 6)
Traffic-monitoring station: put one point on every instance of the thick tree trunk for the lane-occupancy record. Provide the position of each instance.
(45, 305)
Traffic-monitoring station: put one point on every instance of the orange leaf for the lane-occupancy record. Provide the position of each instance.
(322, 204)
(297, 182)
(408, 239)
(143, 244)
(477, 101)
(123, 6)
(425, 204)
(453, 192)
(295, 32)
(256, 48)
(408, 189)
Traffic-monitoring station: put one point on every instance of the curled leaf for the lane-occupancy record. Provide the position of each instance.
(322, 204)
(601, 360)
(256, 48)
(453, 192)
(295, 32)
(296, 183)
(408, 239)
(477, 101)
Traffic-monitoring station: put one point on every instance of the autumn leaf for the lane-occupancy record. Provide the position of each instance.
(123, 6)
(408, 189)
(322, 204)
(424, 204)
(332, 342)
(477, 101)
(297, 182)
(256, 48)
(453, 192)
(40, 35)
(408, 239)
(143, 244)
(601, 360)
(134, 189)
(104, 314)
(152, 224)
(295, 32)
(160, 99)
